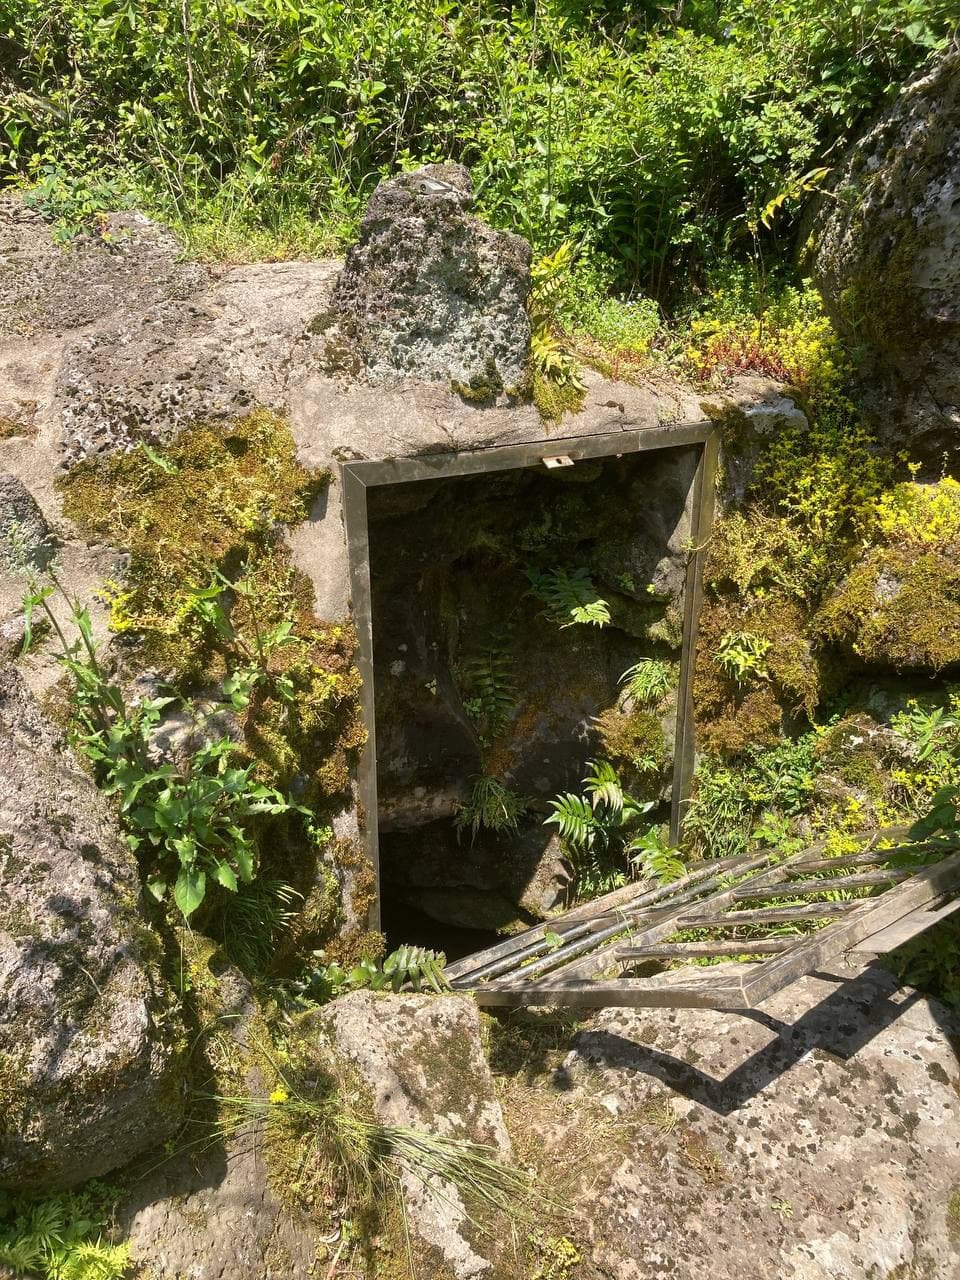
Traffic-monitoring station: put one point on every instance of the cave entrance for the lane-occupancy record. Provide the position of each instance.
(500, 595)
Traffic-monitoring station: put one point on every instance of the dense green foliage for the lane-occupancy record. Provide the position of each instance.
(599, 828)
(60, 1237)
(655, 138)
(410, 966)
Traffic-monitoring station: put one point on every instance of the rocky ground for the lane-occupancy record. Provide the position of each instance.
(815, 1139)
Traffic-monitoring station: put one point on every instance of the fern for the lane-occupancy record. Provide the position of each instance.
(94, 1261)
(549, 355)
(603, 786)
(575, 820)
(59, 1238)
(491, 693)
(647, 680)
(491, 805)
(251, 920)
(654, 859)
(595, 826)
(570, 596)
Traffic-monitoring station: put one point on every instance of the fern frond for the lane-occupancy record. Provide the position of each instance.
(647, 680)
(571, 596)
(603, 786)
(574, 818)
(654, 859)
(490, 689)
(93, 1260)
(252, 919)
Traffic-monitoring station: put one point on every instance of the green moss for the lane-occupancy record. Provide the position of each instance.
(845, 750)
(731, 717)
(14, 1089)
(881, 310)
(213, 499)
(635, 738)
(554, 399)
(899, 608)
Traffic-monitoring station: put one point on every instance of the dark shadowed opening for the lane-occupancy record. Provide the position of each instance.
(504, 609)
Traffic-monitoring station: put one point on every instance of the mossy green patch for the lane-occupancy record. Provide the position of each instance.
(635, 738)
(899, 609)
(212, 499)
(554, 399)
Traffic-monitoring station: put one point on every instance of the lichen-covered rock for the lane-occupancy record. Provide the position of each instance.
(232, 348)
(886, 253)
(47, 288)
(88, 1033)
(815, 1139)
(431, 292)
(422, 1060)
(24, 534)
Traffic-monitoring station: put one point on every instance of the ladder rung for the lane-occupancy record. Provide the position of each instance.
(809, 911)
(722, 947)
(799, 888)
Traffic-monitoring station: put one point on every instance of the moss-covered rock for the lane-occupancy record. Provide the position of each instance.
(885, 252)
(90, 1040)
(899, 606)
(421, 1061)
(734, 714)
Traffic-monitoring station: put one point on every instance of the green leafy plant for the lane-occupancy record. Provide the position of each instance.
(191, 825)
(408, 966)
(490, 806)
(550, 355)
(729, 799)
(598, 827)
(743, 655)
(655, 858)
(74, 203)
(648, 680)
(489, 689)
(60, 1237)
(250, 665)
(571, 596)
(252, 920)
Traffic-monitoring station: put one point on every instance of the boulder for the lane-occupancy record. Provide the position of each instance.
(24, 534)
(231, 348)
(89, 1036)
(898, 606)
(815, 1138)
(421, 1059)
(885, 250)
(131, 263)
(432, 293)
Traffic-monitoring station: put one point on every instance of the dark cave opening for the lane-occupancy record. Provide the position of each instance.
(479, 675)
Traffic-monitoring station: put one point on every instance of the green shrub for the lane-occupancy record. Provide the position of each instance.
(652, 144)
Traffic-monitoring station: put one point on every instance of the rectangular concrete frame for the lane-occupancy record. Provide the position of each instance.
(357, 477)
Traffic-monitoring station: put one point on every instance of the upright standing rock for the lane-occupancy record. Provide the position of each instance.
(886, 253)
(431, 292)
(87, 1025)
